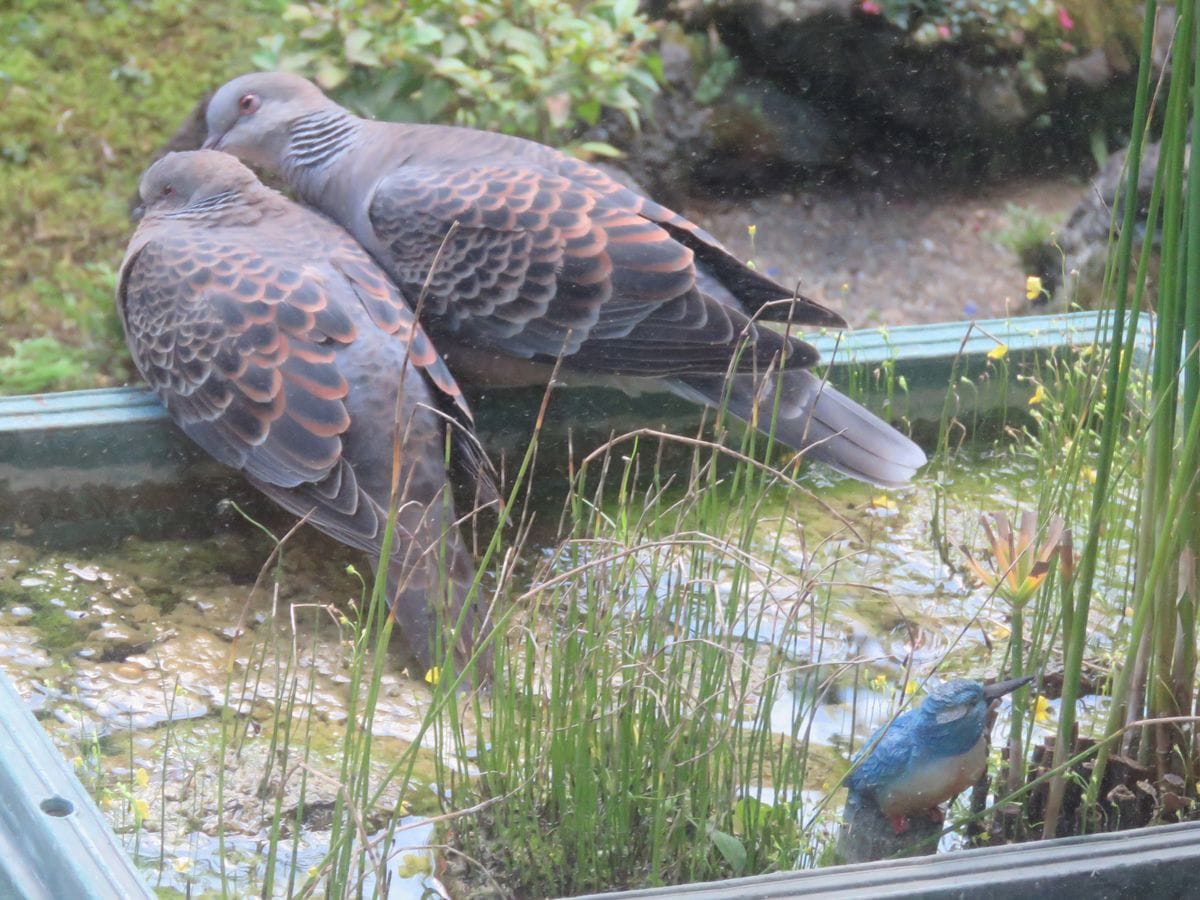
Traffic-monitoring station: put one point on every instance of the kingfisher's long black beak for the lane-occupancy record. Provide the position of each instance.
(1000, 688)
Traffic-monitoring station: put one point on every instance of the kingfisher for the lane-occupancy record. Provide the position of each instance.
(928, 755)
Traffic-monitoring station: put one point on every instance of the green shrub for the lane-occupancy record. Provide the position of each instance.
(1040, 34)
(540, 69)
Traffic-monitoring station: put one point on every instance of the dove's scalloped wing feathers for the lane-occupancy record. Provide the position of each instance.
(535, 264)
(240, 350)
(281, 348)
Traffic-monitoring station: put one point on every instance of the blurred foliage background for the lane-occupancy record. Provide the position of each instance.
(90, 89)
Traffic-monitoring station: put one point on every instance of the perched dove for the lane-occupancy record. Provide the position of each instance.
(524, 254)
(283, 350)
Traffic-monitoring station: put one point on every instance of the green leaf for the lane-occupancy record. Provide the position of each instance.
(653, 62)
(297, 12)
(422, 34)
(750, 814)
(294, 62)
(454, 44)
(434, 97)
(589, 111)
(526, 43)
(521, 64)
(329, 75)
(357, 48)
(588, 149)
(730, 848)
(317, 31)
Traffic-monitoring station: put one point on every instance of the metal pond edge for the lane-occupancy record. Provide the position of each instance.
(906, 347)
(54, 842)
(1162, 862)
(55, 443)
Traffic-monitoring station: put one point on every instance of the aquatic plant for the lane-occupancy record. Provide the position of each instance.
(1158, 677)
(1021, 562)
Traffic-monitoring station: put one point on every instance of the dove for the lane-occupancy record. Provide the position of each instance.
(281, 348)
(523, 256)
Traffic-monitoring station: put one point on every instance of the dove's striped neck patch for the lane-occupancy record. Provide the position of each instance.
(319, 138)
(214, 204)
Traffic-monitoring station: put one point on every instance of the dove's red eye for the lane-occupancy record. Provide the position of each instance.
(248, 104)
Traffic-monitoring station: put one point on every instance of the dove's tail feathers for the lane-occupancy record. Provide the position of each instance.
(815, 418)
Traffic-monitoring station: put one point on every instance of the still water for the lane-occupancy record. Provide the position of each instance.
(131, 654)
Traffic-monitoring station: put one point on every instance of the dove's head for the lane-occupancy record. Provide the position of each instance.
(194, 180)
(252, 116)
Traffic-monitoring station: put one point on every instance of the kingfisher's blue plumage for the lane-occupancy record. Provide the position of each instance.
(928, 754)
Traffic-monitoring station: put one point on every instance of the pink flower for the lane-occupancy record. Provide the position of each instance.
(944, 32)
(1065, 20)
(870, 7)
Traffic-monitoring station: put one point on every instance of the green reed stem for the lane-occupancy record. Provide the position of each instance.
(1076, 641)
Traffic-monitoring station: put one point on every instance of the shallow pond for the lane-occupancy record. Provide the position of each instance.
(159, 666)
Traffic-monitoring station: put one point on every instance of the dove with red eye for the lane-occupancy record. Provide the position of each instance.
(523, 256)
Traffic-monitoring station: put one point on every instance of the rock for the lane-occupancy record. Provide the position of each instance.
(713, 128)
(950, 99)
(763, 134)
(1084, 238)
(867, 835)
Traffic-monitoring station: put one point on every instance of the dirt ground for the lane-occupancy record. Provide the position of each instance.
(893, 255)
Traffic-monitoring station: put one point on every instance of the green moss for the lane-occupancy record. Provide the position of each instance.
(50, 596)
(89, 89)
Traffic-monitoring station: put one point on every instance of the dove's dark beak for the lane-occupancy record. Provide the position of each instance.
(135, 214)
(1000, 688)
(211, 142)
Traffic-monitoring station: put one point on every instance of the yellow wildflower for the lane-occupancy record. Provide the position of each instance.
(181, 864)
(1033, 287)
(433, 675)
(141, 777)
(1001, 632)
(752, 229)
(998, 352)
(141, 810)
(1041, 709)
(413, 864)
(1039, 395)
(1088, 474)
(910, 687)
(879, 682)
(882, 501)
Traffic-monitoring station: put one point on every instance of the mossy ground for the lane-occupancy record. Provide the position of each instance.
(89, 89)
